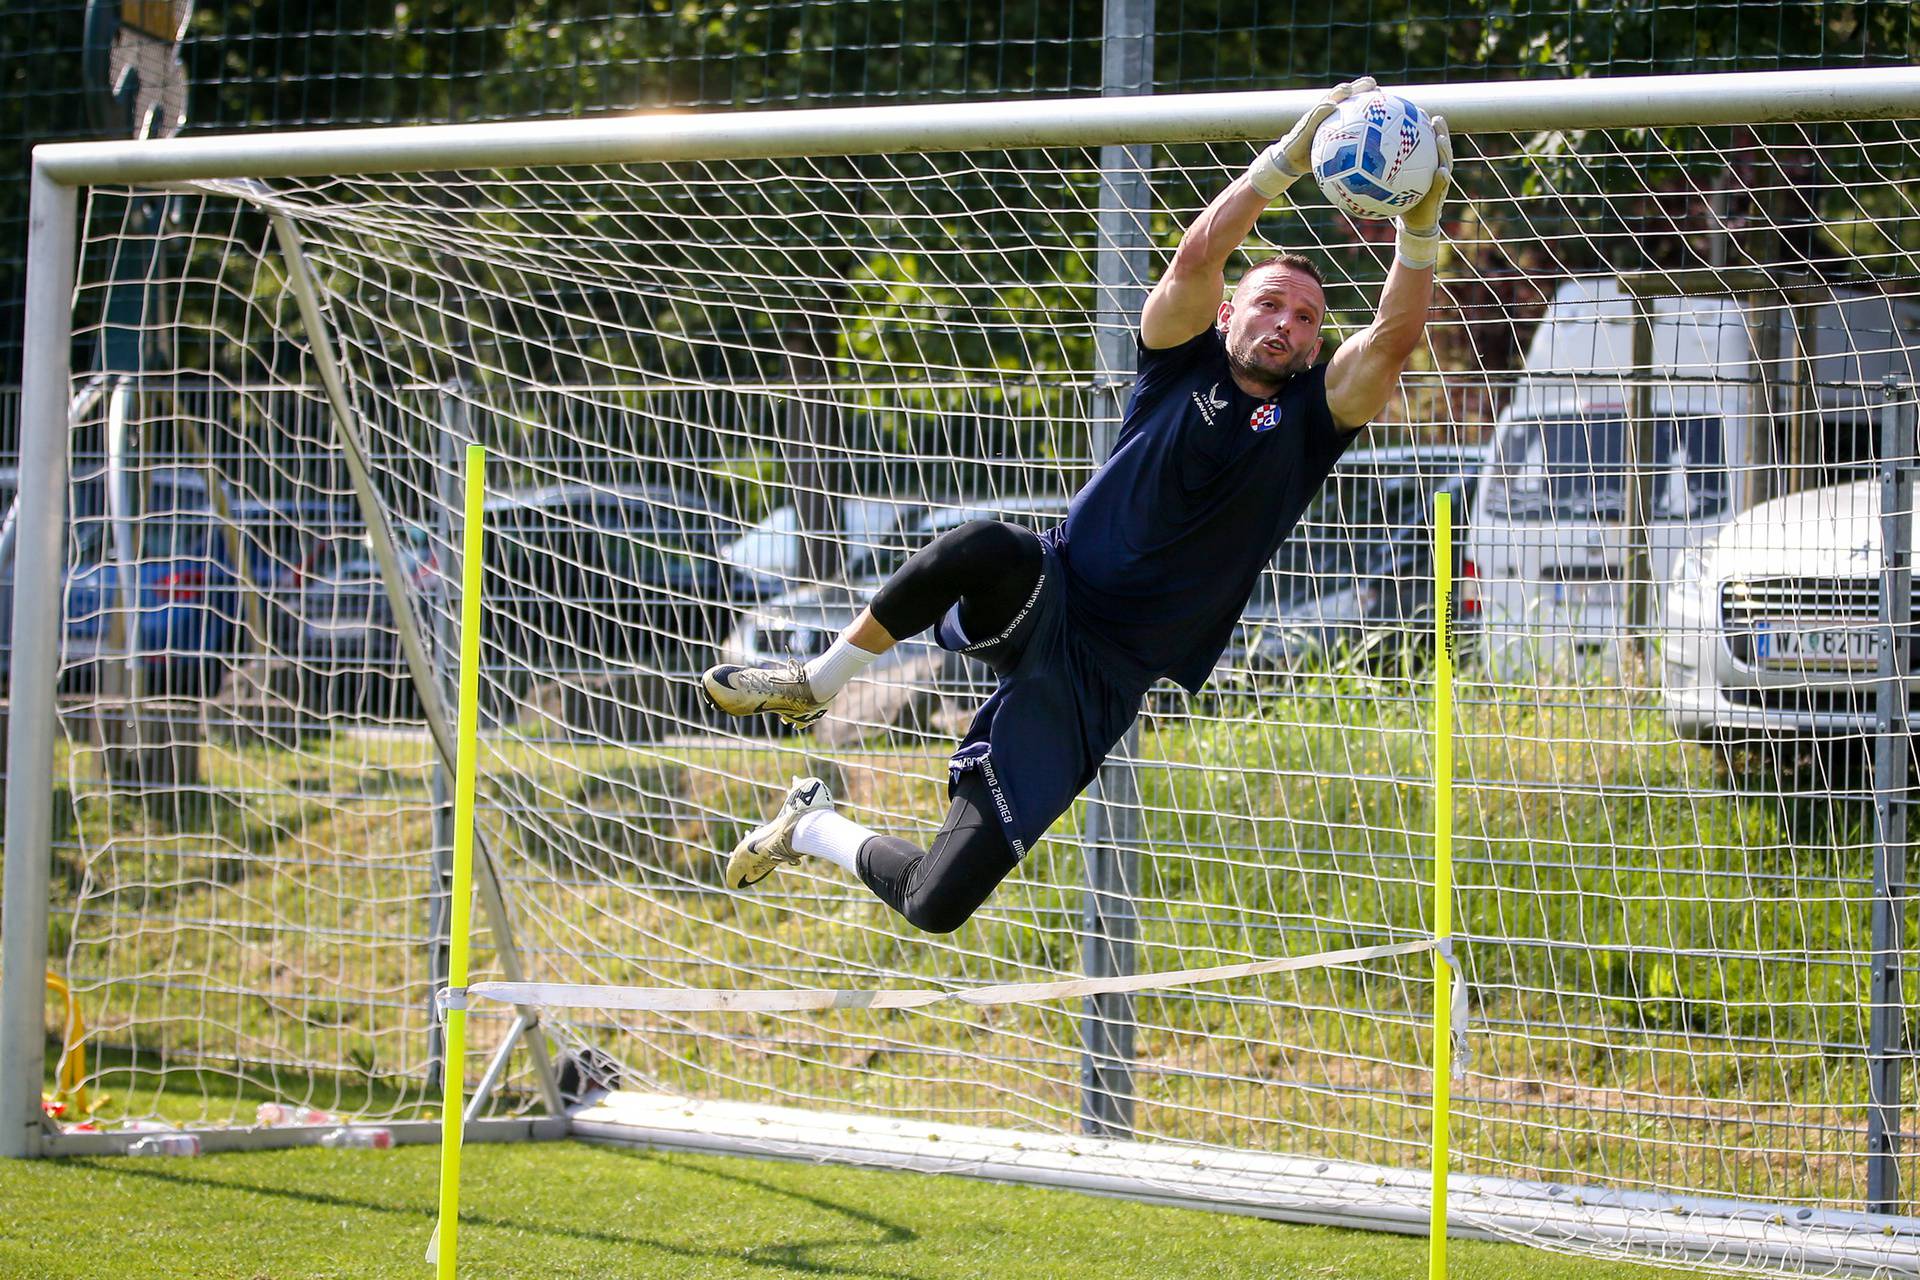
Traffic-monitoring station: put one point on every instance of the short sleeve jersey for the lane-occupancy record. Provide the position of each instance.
(1166, 542)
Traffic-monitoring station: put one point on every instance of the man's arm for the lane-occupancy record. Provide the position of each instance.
(1364, 371)
(1186, 301)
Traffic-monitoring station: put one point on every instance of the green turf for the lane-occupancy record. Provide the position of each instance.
(264, 939)
(566, 1210)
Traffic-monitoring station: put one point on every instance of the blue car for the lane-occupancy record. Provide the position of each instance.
(187, 605)
(189, 611)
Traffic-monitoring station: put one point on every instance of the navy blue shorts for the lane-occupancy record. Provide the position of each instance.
(1042, 736)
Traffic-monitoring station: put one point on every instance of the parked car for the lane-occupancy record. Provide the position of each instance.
(186, 608)
(346, 640)
(801, 624)
(1354, 582)
(772, 548)
(587, 578)
(192, 615)
(283, 540)
(186, 605)
(1550, 538)
(1772, 628)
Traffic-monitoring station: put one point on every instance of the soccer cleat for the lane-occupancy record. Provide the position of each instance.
(770, 846)
(782, 690)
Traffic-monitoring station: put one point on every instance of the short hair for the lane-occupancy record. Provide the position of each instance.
(1294, 261)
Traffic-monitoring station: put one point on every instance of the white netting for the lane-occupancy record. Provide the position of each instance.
(1669, 944)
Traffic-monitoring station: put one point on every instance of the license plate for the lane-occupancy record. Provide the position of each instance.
(1783, 646)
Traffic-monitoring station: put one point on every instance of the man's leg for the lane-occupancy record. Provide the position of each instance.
(987, 568)
(935, 889)
(990, 572)
(939, 888)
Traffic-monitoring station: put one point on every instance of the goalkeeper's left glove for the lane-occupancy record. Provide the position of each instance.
(1418, 245)
(1280, 165)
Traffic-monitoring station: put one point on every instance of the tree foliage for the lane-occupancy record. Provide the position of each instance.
(295, 63)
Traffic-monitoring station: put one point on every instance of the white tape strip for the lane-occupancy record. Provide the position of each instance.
(565, 995)
(1461, 1054)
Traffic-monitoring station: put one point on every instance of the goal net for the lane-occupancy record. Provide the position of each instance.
(728, 384)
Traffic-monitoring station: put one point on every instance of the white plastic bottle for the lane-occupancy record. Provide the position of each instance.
(274, 1115)
(166, 1144)
(372, 1137)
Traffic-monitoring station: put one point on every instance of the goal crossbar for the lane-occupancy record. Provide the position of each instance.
(1637, 102)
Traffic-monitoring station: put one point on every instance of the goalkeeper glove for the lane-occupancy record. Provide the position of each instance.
(1418, 244)
(1276, 168)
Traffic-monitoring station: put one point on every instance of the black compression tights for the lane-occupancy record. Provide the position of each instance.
(987, 567)
(937, 889)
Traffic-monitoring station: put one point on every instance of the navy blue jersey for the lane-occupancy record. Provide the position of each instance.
(1166, 542)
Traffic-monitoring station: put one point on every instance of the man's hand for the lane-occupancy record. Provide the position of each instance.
(1418, 245)
(1276, 168)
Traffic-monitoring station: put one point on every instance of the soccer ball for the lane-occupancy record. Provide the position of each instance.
(1375, 155)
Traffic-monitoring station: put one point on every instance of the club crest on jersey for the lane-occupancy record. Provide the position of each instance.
(1265, 417)
(1210, 403)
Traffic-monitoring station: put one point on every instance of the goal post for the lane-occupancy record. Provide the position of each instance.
(39, 551)
(1443, 954)
(725, 366)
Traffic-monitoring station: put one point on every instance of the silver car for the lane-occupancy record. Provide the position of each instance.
(800, 624)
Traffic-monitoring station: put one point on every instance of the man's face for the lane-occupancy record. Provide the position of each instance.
(1272, 323)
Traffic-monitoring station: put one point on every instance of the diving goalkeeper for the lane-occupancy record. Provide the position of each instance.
(1231, 430)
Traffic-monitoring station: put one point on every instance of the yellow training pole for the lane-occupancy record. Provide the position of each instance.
(464, 784)
(1442, 872)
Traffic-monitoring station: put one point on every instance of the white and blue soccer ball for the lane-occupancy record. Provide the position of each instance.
(1376, 155)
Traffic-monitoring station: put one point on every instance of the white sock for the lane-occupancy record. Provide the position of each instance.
(830, 836)
(828, 674)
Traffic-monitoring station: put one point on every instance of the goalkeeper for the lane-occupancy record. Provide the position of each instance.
(1230, 431)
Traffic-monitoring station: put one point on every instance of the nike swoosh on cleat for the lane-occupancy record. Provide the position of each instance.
(753, 849)
(807, 796)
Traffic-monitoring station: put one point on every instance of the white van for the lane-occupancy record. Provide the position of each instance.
(1771, 629)
(1549, 544)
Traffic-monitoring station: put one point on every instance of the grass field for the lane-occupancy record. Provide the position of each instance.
(1666, 993)
(570, 1210)
(281, 915)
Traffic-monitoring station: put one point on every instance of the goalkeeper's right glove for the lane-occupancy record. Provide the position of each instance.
(1418, 244)
(1280, 165)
